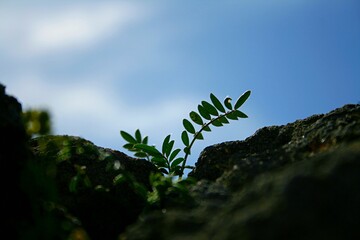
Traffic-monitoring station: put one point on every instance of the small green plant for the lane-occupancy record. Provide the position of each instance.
(167, 192)
(37, 122)
(209, 114)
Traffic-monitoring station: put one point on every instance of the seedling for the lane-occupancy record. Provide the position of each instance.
(209, 114)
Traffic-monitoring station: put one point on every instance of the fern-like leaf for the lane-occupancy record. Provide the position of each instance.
(209, 114)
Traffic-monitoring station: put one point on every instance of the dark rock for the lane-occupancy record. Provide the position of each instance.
(316, 199)
(13, 157)
(298, 181)
(273, 147)
(61, 187)
(102, 208)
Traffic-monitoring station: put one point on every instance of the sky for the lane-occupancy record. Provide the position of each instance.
(104, 66)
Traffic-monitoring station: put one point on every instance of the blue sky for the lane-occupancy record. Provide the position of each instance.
(105, 66)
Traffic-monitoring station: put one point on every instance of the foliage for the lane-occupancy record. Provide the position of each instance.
(214, 113)
(87, 178)
(37, 122)
(168, 192)
(164, 192)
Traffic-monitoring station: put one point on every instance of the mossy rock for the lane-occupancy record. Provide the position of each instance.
(84, 175)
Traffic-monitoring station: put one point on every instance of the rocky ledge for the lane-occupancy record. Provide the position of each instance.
(297, 181)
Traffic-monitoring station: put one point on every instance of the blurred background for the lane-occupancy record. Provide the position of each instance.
(100, 67)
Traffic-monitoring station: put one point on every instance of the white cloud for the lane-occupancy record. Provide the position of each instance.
(87, 107)
(91, 110)
(36, 31)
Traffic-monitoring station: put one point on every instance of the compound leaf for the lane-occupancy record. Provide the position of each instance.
(167, 160)
(217, 103)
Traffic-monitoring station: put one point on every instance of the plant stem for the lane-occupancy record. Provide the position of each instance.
(187, 153)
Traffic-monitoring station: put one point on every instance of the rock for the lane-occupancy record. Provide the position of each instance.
(297, 181)
(315, 199)
(65, 187)
(102, 208)
(276, 146)
(13, 157)
(22, 186)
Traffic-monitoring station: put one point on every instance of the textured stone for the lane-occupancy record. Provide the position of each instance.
(102, 213)
(13, 157)
(297, 181)
(273, 147)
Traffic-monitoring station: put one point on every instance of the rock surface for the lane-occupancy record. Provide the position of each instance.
(297, 181)
(277, 146)
(84, 179)
(13, 156)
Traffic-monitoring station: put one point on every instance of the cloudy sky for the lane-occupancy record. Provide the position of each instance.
(105, 66)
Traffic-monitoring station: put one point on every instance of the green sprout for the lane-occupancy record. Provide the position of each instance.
(214, 113)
